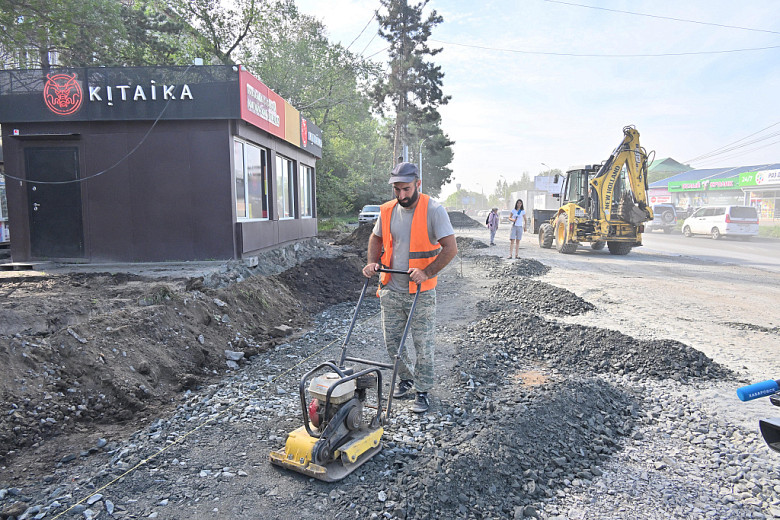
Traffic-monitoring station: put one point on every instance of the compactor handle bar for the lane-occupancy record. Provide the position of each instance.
(756, 390)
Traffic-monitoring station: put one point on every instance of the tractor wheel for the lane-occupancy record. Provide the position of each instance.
(598, 245)
(562, 242)
(619, 248)
(545, 236)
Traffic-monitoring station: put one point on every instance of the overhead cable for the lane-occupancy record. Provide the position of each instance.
(579, 55)
(663, 17)
(720, 148)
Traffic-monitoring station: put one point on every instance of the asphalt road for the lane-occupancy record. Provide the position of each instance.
(760, 253)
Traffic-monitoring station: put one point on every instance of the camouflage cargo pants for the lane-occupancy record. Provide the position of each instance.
(395, 311)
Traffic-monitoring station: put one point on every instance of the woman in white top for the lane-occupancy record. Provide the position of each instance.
(518, 223)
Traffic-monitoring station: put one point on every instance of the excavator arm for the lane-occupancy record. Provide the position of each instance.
(620, 186)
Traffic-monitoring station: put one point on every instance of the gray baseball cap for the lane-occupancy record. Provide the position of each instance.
(404, 172)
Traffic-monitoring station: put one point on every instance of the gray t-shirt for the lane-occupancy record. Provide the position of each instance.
(439, 226)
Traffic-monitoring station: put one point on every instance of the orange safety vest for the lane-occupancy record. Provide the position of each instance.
(422, 252)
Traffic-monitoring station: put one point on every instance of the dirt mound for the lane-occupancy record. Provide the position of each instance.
(317, 283)
(358, 239)
(581, 349)
(101, 348)
(459, 219)
(465, 243)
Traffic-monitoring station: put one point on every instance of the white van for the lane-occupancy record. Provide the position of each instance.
(716, 221)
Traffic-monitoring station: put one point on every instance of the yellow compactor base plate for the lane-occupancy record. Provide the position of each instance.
(350, 456)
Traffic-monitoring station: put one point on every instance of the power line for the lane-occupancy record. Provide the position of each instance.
(362, 31)
(740, 153)
(663, 17)
(720, 148)
(578, 55)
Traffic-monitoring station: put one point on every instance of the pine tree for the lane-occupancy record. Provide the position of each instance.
(413, 88)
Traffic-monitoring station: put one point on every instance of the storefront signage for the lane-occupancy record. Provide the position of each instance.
(119, 94)
(311, 138)
(62, 94)
(260, 105)
(760, 178)
(152, 93)
(704, 185)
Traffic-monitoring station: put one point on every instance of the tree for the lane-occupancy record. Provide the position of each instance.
(83, 32)
(293, 56)
(437, 155)
(412, 91)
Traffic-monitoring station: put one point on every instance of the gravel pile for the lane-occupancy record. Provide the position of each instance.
(499, 453)
(578, 348)
(540, 298)
(461, 220)
(494, 267)
(469, 243)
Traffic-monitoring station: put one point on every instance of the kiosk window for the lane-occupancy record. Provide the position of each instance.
(306, 183)
(285, 178)
(251, 174)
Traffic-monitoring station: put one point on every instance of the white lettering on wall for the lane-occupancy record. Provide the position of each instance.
(315, 139)
(140, 93)
(259, 104)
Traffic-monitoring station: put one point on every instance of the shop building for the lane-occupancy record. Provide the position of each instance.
(757, 186)
(149, 164)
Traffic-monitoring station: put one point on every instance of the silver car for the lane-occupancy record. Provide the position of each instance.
(369, 213)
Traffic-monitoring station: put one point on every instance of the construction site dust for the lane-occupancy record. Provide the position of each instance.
(132, 396)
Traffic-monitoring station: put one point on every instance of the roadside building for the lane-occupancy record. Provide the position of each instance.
(153, 164)
(757, 186)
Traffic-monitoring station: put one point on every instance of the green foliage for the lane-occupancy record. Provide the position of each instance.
(340, 224)
(412, 91)
(83, 32)
(769, 231)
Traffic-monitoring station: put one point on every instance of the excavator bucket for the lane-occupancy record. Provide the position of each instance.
(297, 455)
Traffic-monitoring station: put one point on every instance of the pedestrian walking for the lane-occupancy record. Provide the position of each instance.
(492, 224)
(413, 234)
(517, 217)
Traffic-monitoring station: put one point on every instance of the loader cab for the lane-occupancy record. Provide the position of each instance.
(576, 187)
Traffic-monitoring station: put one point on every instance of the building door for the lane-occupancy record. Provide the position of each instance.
(56, 227)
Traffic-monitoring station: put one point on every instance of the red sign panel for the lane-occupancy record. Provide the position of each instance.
(260, 105)
(62, 94)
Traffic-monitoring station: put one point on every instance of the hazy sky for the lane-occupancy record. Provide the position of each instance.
(514, 108)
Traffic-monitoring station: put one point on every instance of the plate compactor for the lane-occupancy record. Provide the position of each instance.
(336, 437)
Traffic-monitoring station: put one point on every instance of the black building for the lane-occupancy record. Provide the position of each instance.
(153, 164)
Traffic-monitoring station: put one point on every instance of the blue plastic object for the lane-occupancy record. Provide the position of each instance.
(756, 390)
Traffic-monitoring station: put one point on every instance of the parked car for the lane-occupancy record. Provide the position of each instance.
(369, 213)
(717, 221)
(504, 215)
(664, 217)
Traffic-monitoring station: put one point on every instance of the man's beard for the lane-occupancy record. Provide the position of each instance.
(407, 202)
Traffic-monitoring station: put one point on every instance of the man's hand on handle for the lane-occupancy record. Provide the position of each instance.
(417, 275)
(370, 270)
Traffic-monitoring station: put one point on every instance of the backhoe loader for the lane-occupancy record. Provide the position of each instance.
(603, 204)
